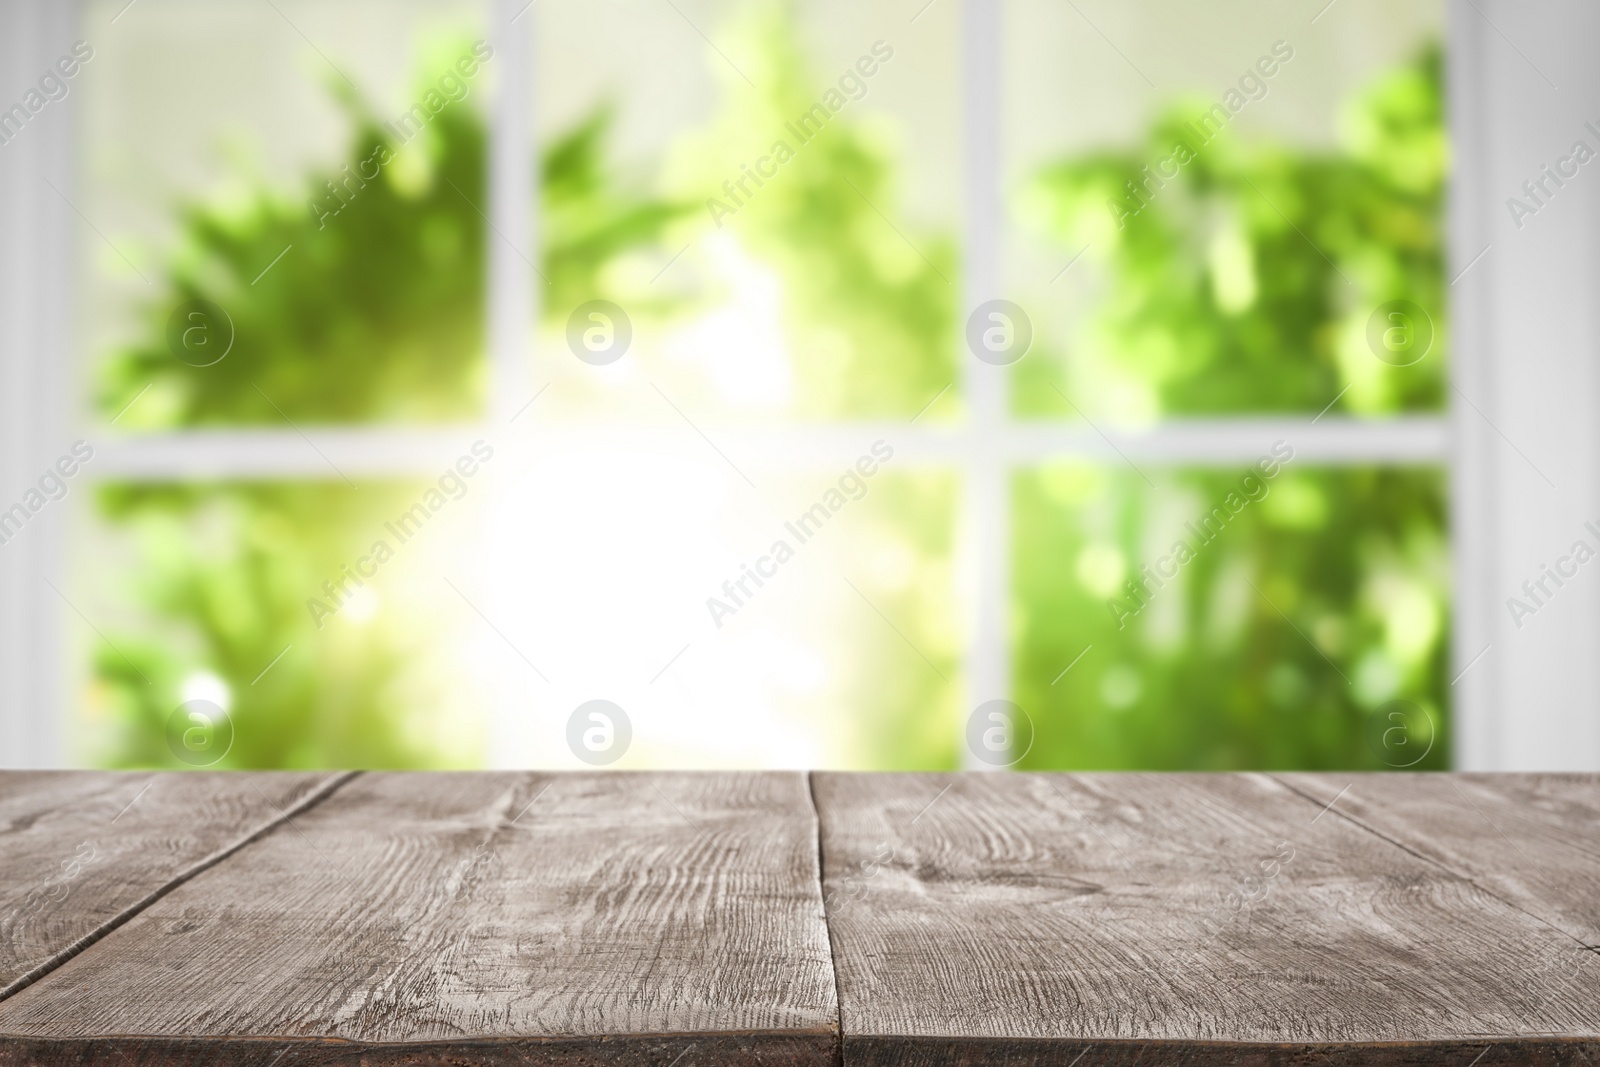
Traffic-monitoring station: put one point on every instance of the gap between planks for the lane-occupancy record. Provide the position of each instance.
(1466, 876)
(304, 804)
(827, 923)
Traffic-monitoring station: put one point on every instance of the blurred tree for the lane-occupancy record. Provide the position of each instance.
(380, 320)
(869, 296)
(224, 577)
(1246, 282)
(587, 221)
(374, 313)
(1277, 646)
(378, 317)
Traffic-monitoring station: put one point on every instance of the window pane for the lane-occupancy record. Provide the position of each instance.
(1303, 611)
(243, 594)
(290, 223)
(781, 627)
(771, 206)
(1249, 217)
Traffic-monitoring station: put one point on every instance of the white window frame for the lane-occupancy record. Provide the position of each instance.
(36, 283)
(39, 408)
(1525, 422)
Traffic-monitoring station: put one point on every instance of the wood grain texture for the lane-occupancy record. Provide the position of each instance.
(85, 850)
(589, 918)
(1533, 839)
(1040, 918)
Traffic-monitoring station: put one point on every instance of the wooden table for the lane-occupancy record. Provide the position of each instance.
(788, 920)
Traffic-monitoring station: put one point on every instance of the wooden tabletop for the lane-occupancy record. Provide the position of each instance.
(780, 919)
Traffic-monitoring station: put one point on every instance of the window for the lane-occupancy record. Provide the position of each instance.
(681, 347)
(1241, 270)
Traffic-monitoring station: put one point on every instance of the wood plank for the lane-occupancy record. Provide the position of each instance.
(422, 918)
(1532, 839)
(1135, 918)
(85, 850)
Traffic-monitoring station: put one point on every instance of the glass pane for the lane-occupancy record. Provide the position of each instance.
(811, 623)
(284, 201)
(1289, 618)
(1248, 218)
(749, 210)
(251, 596)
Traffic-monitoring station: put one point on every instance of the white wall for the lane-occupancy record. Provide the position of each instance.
(1525, 324)
(36, 226)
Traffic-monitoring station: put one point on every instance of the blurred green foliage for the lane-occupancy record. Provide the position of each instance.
(379, 318)
(869, 318)
(375, 313)
(1243, 285)
(868, 290)
(224, 573)
(903, 688)
(1272, 648)
(869, 298)
(586, 221)
(1246, 282)
(379, 315)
